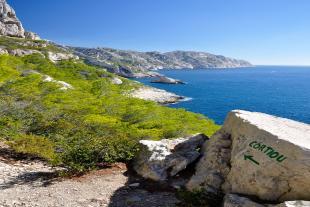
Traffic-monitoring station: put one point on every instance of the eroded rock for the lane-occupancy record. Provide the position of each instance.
(55, 57)
(160, 159)
(23, 52)
(9, 23)
(270, 158)
(32, 36)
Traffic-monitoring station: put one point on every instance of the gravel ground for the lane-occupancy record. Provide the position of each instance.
(31, 182)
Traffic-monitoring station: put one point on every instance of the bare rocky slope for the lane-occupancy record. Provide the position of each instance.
(133, 63)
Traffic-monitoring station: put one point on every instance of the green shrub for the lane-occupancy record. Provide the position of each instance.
(82, 127)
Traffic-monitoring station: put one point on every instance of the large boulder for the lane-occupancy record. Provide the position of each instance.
(160, 159)
(259, 155)
(9, 23)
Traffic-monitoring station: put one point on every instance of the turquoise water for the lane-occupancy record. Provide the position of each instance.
(281, 91)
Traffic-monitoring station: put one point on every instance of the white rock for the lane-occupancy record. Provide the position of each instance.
(65, 86)
(156, 95)
(23, 52)
(156, 158)
(233, 200)
(134, 184)
(9, 23)
(116, 81)
(270, 158)
(3, 51)
(55, 57)
(32, 36)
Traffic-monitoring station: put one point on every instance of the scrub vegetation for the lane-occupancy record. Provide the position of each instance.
(82, 127)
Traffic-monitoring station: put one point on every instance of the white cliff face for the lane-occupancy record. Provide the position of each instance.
(268, 157)
(9, 23)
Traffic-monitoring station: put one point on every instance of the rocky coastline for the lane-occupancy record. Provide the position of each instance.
(157, 95)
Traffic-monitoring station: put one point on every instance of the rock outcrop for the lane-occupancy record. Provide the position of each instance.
(55, 57)
(159, 160)
(32, 36)
(9, 23)
(256, 154)
(23, 52)
(166, 80)
(116, 81)
(156, 95)
(63, 85)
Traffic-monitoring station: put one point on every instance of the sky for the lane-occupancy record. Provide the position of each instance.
(264, 32)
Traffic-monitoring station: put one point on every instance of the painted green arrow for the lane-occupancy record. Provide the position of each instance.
(250, 157)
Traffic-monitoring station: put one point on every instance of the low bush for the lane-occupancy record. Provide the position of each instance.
(93, 123)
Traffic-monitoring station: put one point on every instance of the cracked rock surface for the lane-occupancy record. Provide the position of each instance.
(269, 158)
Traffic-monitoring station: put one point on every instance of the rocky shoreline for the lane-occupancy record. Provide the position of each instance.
(157, 95)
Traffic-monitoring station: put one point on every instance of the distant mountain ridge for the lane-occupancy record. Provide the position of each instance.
(131, 63)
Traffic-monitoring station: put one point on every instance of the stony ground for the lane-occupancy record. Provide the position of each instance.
(30, 182)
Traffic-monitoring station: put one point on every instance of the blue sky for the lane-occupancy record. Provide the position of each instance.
(266, 32)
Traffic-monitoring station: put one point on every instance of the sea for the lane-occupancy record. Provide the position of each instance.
(282, 91)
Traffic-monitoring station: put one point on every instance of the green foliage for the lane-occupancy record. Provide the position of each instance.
(12, 43)
(36, 145)
(93, 123)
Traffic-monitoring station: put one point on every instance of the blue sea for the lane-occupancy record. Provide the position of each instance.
(278, 90)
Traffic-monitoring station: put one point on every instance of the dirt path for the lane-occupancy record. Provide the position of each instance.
(30, 183)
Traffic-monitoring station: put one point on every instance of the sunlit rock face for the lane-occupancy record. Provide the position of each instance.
(9, 23)
(259, 155)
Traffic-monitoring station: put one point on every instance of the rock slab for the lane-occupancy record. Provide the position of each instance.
(160, 159)
(268, 157)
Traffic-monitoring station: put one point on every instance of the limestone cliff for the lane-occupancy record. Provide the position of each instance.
(128, 63)
(10, 24)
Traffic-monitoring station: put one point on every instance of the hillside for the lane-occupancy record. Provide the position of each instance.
(132, 63)
(77, 115)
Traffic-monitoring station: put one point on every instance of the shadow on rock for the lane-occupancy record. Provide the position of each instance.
(139, 192)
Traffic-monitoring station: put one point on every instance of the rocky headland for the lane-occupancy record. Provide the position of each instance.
(130, 63)
(156, 95)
